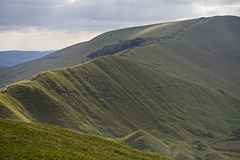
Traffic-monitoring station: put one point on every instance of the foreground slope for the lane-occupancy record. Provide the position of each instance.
(37, 141)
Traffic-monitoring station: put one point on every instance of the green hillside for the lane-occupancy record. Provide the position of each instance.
(37, 141)
(113, 97)
(204, 51)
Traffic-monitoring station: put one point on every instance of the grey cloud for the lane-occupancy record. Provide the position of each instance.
(101, 15)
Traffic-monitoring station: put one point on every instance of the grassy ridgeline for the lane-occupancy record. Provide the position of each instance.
(209, 45)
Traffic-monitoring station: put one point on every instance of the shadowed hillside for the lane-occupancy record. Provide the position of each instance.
(204, 51)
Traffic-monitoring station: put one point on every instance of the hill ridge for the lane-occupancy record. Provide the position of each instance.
(77, 53)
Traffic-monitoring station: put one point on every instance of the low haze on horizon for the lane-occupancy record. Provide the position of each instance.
(55, 24)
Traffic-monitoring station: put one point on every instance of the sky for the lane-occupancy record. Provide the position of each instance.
(55, 24)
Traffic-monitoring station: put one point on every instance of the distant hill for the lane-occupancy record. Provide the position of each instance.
(12, 58)
(37, 141)
(177, 82)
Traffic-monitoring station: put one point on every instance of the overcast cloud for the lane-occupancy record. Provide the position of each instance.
(55, 24)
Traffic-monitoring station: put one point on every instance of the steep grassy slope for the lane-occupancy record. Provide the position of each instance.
(20, 140)
(113, 97)
(205, 51)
